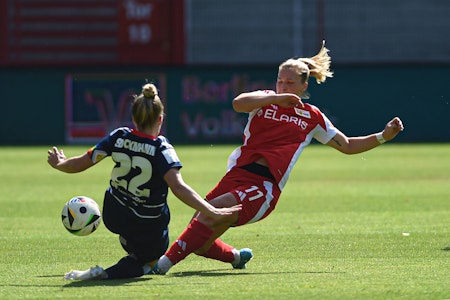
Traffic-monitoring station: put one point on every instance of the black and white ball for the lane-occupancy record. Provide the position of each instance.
(81, 215)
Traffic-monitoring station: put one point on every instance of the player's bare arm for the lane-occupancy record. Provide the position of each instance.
(354, 145)
(186, 194)
(58, 160)
(246, 102)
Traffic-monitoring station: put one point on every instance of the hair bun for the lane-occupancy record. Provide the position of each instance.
(149, 90)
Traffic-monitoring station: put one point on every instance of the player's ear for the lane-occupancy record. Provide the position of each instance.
(305, 86)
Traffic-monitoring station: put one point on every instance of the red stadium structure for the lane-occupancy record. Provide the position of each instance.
(112, 32)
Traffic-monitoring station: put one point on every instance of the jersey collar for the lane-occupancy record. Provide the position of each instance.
(142, 134)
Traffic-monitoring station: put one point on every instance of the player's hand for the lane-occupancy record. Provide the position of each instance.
(289, 100)
(225, 211)
(393, 127)
(55, 156)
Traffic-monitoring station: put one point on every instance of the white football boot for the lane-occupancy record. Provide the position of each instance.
(93, 273)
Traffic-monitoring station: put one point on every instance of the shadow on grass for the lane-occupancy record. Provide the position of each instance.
(117, 282)
(85, 283)
(202, 273)
(112, 282)
(208, 273)
(227, 272)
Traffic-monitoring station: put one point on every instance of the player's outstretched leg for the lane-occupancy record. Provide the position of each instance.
(227, 253)
(194, 236)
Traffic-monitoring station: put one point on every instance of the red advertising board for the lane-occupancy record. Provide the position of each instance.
(115, 32)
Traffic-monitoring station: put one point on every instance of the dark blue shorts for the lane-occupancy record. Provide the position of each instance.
(147, 239)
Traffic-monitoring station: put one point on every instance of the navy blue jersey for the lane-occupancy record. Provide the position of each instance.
(141, 161)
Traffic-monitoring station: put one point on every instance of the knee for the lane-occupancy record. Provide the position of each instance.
(213, 223)
(205, 220)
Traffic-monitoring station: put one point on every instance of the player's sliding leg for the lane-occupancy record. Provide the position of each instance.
(198, 235)
(194, 236)
(227, 253)
(220, 251)
(127, 267)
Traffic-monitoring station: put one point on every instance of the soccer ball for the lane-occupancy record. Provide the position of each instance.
(81, 215)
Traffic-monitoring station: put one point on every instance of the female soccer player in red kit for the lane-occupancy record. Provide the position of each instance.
(279, 127)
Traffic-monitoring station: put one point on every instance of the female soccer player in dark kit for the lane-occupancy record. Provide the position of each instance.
(135, 203)
(280, 125)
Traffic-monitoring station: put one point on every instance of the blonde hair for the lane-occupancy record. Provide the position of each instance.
(317, 66)
(147, 107)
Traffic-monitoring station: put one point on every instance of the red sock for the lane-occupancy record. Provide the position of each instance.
(220, 251)
(192, 238)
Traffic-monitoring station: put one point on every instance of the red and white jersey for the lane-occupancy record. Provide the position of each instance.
(279, 135)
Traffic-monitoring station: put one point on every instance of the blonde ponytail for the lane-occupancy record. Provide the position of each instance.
(317, 66)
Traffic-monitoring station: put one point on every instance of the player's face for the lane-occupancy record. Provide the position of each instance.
(289, 81)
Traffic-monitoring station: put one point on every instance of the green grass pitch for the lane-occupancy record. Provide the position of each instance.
(369, 226)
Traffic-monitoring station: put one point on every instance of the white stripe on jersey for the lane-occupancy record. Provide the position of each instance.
(266, 205)
(237, 152)
(170, 155)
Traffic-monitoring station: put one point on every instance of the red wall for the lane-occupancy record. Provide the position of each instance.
(115, 32)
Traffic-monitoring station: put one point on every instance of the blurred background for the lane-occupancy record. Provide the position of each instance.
(68, 68)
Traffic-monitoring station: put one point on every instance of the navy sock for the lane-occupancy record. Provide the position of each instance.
(127, 267)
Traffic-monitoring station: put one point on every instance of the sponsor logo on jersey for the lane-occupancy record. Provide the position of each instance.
(280, 117)
(302, 113)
